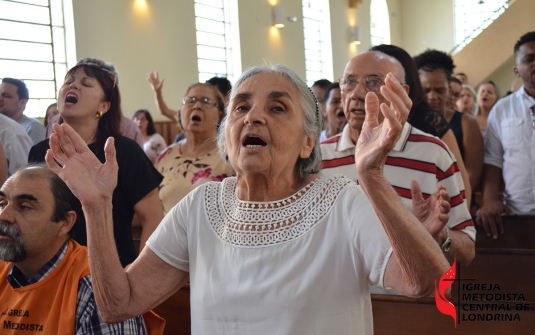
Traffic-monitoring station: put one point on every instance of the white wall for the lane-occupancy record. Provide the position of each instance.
(161, 38)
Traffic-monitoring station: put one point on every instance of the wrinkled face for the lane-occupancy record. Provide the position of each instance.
(26, 208)
(465, 103)
(265, 127)
(366, 69)
(486, 96)
(10, 103)
(435, 85)
(334, 111)
(81, 96)
(202, 115)
(142, 122)
(525, 64)
(455, 94)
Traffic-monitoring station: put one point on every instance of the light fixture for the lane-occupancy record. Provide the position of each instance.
(354, 33)
(354, 3)
(278, 16)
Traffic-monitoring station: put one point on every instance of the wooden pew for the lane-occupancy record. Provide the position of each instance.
(167, 129)
(508, 262)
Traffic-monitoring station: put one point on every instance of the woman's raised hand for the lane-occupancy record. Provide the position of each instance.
(70, 158)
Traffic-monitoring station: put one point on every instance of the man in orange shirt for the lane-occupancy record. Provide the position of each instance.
(45, 285)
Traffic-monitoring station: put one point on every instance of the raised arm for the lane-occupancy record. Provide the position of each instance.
(120, 294)
(417, 259)
(157, 84)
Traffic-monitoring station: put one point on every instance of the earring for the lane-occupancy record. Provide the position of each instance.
(99, 114)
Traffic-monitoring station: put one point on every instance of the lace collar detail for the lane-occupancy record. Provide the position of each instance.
(256, 224)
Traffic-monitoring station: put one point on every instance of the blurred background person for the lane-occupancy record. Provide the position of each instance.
(318, 88)
(467, 102)
(487, 95)
(462, 77)
(455, 93)
(89, 101)
(435, 69)
(153, 143)
(51, 111)
(333, 112)
(3, 165)
(195, 159)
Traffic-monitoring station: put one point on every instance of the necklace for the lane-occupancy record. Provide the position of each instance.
(91, 139)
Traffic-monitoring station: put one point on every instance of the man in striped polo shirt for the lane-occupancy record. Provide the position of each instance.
(416, 156)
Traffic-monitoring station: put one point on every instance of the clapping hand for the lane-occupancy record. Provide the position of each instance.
(377, 139)
(433, 211)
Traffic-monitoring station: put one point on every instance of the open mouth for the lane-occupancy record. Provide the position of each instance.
(196, 118)
(71, 99)
(341, 116)
(253, 142)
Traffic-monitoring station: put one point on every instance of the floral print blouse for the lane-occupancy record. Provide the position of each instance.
(181, 174)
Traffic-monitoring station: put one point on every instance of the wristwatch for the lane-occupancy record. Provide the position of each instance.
(447, 243)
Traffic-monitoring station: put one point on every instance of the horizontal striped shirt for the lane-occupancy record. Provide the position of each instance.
(416, 156)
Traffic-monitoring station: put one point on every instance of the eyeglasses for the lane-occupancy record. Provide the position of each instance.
(532, 112)
(207, 102)
(371, 83)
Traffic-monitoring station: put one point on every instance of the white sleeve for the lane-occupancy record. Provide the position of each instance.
(17, 150)
(170, 240)
(493, 142)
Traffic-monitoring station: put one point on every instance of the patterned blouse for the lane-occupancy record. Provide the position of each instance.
(182, 174)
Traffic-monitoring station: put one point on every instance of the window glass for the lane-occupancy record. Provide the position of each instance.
(34, 50)
(218, 49)
(317, 33)
(379, 22)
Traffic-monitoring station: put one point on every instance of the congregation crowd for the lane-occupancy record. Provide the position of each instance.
(272, 193)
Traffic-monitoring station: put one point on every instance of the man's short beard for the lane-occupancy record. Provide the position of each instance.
(11, 250)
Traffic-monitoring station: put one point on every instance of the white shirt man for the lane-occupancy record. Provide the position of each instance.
(13, 98)
(16, 142)
(509, 147)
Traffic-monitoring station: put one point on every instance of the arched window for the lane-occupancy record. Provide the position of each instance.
(37, 46)
(318, 48)
(379, 22)
(218, 41)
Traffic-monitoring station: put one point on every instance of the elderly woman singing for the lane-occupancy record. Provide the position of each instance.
(277, 249)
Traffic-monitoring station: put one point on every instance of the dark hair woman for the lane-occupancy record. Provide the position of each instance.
(89, 101)
(153, 143)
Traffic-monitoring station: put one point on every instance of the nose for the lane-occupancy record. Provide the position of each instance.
(255, 116)
(359, 92)
(6, 214)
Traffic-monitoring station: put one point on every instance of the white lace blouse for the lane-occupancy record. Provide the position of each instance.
(301, 265)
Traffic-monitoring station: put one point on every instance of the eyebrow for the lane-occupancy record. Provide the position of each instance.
(28, 197)
(244, 96)
(279, 94)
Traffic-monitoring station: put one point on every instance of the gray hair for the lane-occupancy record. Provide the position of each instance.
(474, 94)
(309, 105)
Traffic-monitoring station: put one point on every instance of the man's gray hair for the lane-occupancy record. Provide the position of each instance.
(309, 105)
